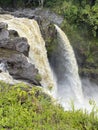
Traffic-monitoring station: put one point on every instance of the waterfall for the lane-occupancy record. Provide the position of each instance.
(67, 69)
(64, 73)
(38, 55)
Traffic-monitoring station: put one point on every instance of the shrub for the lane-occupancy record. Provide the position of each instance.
(26, 108)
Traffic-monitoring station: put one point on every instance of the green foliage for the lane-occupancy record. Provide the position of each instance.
(81, 26)
(26, 108)
(89, 15)
(19, 3)
(77, 12)
(5, 2)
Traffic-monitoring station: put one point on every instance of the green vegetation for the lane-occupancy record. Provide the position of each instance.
(81, 26)
(21, 3)
(25, 108)
(78, 12)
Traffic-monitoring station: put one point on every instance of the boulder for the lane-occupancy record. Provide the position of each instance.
(3, 25)
(4, 33)
(9, 39)
(19, 66)
(19, 44)
(13, 53)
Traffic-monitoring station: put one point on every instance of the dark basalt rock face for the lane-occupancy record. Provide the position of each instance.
(3, 31)
(11, 40)
(87, 69)
(3, 26)
(19, 66)
(39, 14)
(19, 44)
(46, 20)
(13, 53)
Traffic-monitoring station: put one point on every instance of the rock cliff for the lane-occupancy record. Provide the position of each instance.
(13, 53)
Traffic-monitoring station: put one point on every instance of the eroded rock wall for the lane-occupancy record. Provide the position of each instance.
(13, 52)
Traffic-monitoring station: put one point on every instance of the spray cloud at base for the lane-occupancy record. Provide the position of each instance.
(71, 89)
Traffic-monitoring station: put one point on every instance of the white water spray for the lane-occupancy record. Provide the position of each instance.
(70, 88)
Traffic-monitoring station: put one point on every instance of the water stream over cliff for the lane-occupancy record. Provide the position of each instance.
(71, 89)
(70, 67)
(63, 75)
(37, 54)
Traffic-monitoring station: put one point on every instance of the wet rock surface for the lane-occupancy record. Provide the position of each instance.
(3, 26)
(13, 53)
(4, 33)
(19, 44)
(39, 14)
(45, 18)
(9, 39)
(19, 66)
(87, 69)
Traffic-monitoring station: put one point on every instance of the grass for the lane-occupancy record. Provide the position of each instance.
(26, 108)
